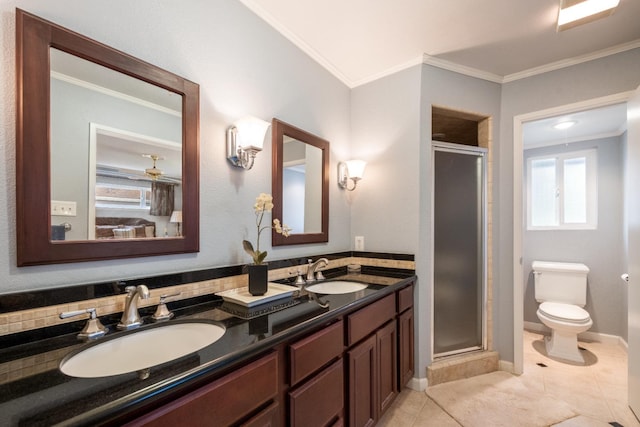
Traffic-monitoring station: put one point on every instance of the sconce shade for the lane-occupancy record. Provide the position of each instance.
(244, 140)
(355, 168)
(350, 170)
(251, 133)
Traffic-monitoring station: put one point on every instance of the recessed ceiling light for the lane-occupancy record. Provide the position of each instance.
(577, 12)
(564, 125)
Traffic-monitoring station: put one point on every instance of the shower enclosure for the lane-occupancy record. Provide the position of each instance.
(459, 249)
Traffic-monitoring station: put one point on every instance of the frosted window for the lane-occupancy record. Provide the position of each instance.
(562, 191)
(544, 206)
(575, 190)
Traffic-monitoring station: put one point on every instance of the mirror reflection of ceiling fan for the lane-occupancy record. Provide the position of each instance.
(154, 173)
(149, 174)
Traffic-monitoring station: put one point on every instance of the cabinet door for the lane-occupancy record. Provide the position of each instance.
(387, 345)
(405, 347)
(363, 380)
(320, 400)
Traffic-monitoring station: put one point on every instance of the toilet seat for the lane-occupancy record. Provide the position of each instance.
(564, 312)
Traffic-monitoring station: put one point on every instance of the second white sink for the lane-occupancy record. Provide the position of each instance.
(141, 349)
(336, 287)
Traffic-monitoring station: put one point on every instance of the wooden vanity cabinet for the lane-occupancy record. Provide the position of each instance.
(372, 369)
(405, 336)
(229, 400)
(346, 372)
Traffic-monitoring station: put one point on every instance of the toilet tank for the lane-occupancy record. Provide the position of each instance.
(560, 282)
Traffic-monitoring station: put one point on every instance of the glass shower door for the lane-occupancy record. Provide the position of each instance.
(459, 249)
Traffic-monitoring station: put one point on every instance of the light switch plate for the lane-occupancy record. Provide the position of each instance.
(359, 243)
(60, 208)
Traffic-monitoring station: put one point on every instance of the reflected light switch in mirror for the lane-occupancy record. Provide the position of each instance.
(359, 243)
(59, 208)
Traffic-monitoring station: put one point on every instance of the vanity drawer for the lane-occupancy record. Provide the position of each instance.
(224, 401)
(319, 401)
(365, 321)
(313, 352)
(405, 298)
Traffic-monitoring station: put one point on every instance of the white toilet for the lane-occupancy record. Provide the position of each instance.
(561, 288)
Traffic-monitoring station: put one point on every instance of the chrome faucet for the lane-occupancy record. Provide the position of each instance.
(313, 266)
(130, 316)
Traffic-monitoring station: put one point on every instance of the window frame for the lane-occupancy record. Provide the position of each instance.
(591, 164)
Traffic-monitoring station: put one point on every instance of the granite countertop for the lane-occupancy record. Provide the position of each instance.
(53, 398)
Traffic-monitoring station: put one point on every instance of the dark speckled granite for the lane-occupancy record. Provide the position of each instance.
(51, 397)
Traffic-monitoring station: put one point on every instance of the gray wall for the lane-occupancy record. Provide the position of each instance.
(243, 67)
(391, 128)
(606, 76)
(602, 250)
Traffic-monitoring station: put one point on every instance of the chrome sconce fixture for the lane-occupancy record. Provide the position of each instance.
(244, 140)
(350, 170)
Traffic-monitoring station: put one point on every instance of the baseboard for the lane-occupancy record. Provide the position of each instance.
(417, 384)
(506, 366)
(585, 336)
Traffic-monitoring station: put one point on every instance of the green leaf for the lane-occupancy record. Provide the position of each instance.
(261, 256)
(248, 248)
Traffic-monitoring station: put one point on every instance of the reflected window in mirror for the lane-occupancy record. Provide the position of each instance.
(300, 184)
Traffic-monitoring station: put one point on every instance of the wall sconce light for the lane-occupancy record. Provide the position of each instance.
(176, 218)
(244, 140)
(350, 170)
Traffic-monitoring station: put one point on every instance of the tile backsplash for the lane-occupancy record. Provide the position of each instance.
(35, 318)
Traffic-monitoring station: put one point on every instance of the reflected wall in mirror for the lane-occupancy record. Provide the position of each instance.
(112, 128)
(107, 145)
(300, 184)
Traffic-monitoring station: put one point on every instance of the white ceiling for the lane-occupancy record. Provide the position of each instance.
(499, 40)
(591, 124)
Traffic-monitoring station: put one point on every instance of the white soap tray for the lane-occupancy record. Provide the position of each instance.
(241, 296)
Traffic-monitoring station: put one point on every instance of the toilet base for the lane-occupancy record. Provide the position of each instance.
(563, 345)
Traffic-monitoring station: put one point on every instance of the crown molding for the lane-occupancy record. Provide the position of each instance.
(297, 41)
(388, 72)
(428, 59)
(553, 66)
(461, 69)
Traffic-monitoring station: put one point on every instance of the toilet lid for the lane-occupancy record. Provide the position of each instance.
(565, 312)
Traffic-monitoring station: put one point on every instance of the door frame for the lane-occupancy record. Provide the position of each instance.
(518, 206)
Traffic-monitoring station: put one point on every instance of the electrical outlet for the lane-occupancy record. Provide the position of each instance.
(360, 243)
(59, 208)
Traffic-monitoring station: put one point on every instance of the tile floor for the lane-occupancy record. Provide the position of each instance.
(597, 392)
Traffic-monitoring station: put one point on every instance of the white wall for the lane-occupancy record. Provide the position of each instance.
(606, 76)
(243, 67)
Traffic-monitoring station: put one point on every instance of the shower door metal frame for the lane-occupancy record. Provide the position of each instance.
(482, 153)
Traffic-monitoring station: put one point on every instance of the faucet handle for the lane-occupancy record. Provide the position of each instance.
(93, 328)
(300, 280)
(319, 275)
(162, 312)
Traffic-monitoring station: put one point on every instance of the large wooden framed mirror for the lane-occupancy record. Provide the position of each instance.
(300, 184)
(107, 151)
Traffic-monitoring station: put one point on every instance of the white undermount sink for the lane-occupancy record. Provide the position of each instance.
(335, 287)
(141, 349)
